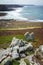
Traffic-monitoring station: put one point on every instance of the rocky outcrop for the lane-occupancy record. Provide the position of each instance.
(18, 42)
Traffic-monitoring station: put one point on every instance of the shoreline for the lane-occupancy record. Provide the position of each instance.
(21, 20)
(17, 16)
(20, 14)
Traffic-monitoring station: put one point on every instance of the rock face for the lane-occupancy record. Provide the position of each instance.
(29, 36)
(3, 8)
(32, 36)
(21, 43)
(15, 49)
(18, 42)
(14, 42)
(30, 47)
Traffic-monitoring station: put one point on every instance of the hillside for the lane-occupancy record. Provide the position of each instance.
(19, 24)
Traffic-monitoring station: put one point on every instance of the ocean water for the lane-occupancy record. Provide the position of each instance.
(30, 13)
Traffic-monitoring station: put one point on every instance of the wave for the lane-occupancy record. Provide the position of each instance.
(35, 20)
(16, 15)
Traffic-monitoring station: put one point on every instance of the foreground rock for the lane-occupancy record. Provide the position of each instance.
(15, 50)
(18, 42)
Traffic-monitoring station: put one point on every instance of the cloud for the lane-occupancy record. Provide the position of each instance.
(21, 2)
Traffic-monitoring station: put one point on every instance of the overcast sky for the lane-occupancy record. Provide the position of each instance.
(36, 2)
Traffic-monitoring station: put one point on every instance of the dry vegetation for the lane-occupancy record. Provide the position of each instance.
(19, 24)
(9, 29)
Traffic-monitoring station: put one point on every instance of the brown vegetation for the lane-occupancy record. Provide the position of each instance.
(38, 33)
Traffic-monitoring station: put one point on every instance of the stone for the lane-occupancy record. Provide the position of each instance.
(21, 43)
(22, 55)
(29, 47)
(14, 42)
(29, 36)
(15, 55)
(32, 37)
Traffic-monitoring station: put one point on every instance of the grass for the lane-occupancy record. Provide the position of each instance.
(20, 37)
(27, 61)
(14, 62)
(6, 40)
(29, 52)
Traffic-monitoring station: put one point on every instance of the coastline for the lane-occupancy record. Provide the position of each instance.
(16, 14)
(20, 38)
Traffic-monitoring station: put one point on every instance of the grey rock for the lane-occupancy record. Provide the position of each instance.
(29, 36)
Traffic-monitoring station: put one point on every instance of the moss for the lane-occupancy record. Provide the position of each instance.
(14, 62)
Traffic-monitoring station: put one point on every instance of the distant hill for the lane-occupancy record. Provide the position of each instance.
(8, 7)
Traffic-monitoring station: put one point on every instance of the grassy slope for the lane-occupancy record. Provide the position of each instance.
(5, 41)
(14, 62)
(7, 28)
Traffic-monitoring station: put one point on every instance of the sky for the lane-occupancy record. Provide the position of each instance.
(34, 2)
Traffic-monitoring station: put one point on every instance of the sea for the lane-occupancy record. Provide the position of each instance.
(27, 12)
